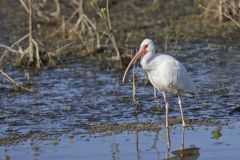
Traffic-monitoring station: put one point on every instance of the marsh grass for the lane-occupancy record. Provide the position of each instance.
(223, 10)
(92, 29)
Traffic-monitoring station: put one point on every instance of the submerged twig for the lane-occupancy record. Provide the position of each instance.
(134, 85)
(16, 86)
(38, 62)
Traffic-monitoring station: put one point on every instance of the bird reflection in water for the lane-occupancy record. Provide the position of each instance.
(191, 153)
(139, 156)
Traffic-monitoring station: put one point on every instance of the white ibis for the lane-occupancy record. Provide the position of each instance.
(165, 73)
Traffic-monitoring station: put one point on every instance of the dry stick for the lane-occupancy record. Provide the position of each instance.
(75, 2)
(30, 37)
(69, 19)
(80, 14)
(134, 86)
(25, 6)
(108, 16)
(8, 48)
(95, 30)
(63, 27)
(14, 51)
(81, 20)
(112, 37)
(58, 51)
(57, 13)
(15, 43)
(229, 17)
(8, 78)
(233, 9)
(15, 84)
(220, 10)
(38, 64)
(87, 28)
(109, 33)
(23, 53)
(84, 17)
(30, 32)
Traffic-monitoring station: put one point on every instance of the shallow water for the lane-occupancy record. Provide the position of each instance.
(198, 143)
(71, 98)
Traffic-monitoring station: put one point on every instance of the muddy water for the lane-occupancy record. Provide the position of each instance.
(55, 121)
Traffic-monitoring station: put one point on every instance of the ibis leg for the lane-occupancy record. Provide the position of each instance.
(182, 139)
(155, 96)
(168, 142)
(166, 107)
(180, 105)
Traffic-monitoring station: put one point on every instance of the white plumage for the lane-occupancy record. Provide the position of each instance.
(165, 73)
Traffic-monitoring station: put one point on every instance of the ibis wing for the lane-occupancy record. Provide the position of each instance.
(184, 83)
(171, 76)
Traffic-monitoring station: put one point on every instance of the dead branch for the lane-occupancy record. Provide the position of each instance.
(25, 6)
(59, 50)
(105, 16)
(65, 23)
(38, 61)
(134, 87)
(32, 44)
(220, 12)
(57, 13)
(223, 8)
(8, 48)
(15, 85)
(85, 29)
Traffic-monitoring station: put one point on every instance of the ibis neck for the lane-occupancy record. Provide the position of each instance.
(146, 59)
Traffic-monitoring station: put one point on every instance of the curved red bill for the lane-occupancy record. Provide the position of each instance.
(133, 61)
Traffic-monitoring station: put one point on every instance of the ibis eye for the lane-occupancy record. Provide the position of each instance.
(145, 46)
